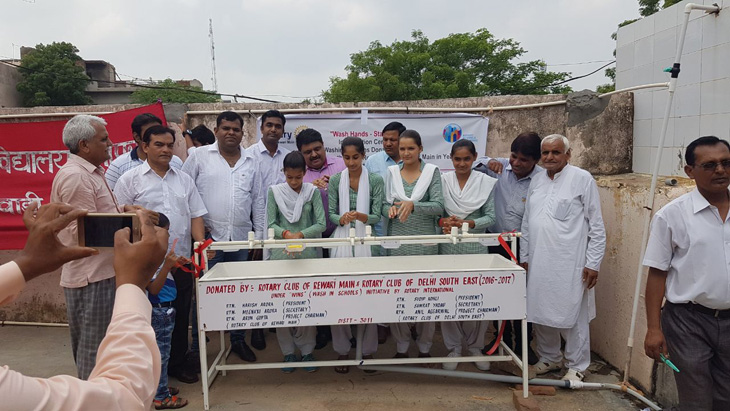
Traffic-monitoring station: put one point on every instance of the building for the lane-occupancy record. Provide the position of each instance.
(105, 86)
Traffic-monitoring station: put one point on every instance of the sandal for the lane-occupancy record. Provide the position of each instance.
(173, 390)
(169, 403)
(368, 357)
(342, 369)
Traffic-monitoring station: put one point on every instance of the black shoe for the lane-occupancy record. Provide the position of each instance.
(531, 356)
(243, 351)
(184, 375)
(192, 362)
(321, 340)
(258, 341)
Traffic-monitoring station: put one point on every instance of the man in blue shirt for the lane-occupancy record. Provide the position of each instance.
(378, 163)
(513, 175)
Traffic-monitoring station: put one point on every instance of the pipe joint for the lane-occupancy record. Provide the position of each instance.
(674, 71)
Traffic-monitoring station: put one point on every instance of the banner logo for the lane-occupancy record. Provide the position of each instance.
(452, 132)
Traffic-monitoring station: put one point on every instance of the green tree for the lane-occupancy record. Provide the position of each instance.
(52, 77)
(171, 92)
(649, 7)
(460, 65)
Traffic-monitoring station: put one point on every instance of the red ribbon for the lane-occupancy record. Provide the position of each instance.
(497, 341)
(197, 269)
(507, 248)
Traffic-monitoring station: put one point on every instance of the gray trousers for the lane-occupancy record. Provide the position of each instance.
(402, 335)
(456, 333)
(699, 345)
(291, 338)
(89, 310)
(341, 335)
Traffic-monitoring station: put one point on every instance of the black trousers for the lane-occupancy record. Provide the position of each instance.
(180, 335)
(512, 330)
(699, 345)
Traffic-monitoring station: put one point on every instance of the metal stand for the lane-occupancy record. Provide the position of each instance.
(210, 372)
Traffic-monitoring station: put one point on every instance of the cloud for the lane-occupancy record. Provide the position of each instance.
(293, 47)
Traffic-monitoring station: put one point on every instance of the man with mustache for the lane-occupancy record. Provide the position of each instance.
(688, 256)
(227, 179)
(320, 167)
(563, 243)
(158, 186)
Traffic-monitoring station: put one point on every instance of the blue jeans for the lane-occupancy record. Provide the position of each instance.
(163, 321)
(220, 256)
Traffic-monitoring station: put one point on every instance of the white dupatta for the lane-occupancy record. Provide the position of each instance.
(462, 202)
(363, 206)
(394, 184)
(290, 202)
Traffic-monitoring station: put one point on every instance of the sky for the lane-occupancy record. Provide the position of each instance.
(287, 50)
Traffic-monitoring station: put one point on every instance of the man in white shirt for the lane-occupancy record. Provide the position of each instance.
(227, 179)
(136, 157)
(688, 256)
(269, 159)
(563, 243)
(157, 186)
(267, 155)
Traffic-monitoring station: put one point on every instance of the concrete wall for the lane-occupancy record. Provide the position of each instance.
(9, 79)
(701, 103)
(601, 133)
(622, 201)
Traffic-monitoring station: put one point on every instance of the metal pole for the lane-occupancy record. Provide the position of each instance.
(652, 190)
(525, 362)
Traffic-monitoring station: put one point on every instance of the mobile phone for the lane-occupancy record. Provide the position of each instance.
(97, 230)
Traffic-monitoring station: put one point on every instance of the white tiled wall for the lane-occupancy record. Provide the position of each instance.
(701, 103)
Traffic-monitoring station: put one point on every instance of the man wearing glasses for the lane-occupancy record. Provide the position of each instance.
(688, 256)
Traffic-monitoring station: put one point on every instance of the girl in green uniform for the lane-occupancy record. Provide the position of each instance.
(414, 201)
(294, 210)
(468, 198)
(355, 200)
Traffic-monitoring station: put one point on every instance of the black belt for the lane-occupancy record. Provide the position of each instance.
(162, 305)
(706, 310)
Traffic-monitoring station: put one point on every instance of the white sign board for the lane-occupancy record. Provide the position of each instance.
(361, 299)
(438, 131)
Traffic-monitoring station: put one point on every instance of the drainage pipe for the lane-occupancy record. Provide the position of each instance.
(510, 379)
(650, 203)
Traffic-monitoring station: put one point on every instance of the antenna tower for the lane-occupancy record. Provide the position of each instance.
(214, 79)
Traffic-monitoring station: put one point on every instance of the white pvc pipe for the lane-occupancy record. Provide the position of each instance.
(355, 109)
(36, 115)
(655, 173)
(511, 379)
(623, 90)
(32, 324)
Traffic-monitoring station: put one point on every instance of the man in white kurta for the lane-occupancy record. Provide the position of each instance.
(563, 242)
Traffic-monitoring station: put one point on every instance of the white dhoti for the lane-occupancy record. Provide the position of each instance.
(577, 343)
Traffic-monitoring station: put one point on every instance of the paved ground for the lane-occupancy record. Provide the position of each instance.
(45, 352)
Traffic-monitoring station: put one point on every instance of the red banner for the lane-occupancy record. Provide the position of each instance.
(30, 156)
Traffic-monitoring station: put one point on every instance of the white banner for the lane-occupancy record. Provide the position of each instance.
(361, 299)
(438, 131)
